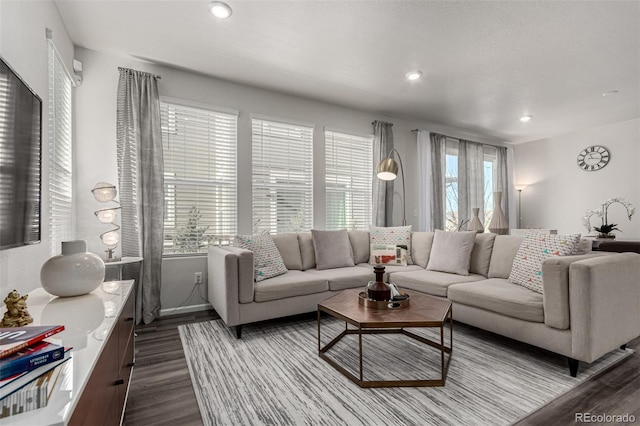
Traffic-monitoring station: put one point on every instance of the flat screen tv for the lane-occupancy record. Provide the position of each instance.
(20, 159)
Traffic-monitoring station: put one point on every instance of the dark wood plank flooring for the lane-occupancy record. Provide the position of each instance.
(161, 392)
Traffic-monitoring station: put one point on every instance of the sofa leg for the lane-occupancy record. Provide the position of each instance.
(623, 347)
(573, 367)
(238, 331)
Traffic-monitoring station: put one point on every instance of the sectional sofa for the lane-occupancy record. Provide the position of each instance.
(590, 303)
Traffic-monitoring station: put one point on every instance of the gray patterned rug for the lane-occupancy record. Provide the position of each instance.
(274, 376)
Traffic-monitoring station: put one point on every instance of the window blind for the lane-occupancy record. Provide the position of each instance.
(200, 148)
(349, 174)
(282, 176)
(60, 149)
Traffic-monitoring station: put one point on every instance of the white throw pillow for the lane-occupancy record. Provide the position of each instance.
(388, 255)
(534, 248)
(451, 252)
(267, 261)
(394, 235)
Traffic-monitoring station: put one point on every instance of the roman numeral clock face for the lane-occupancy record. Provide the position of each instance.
(593, 158)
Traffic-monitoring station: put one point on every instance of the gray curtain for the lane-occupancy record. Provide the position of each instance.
(470, 179)
(503, 181)
(140, 174)
(382, 190)
(438, 151)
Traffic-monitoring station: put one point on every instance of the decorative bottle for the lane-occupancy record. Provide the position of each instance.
(378, 290)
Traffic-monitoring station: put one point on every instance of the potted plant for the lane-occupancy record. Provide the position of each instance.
(606, 229)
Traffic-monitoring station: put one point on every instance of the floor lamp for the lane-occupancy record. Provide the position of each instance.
(387, 169)
(519, 188)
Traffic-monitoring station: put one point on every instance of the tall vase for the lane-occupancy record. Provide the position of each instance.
(475, 224)
(74, 272)
(499, 223)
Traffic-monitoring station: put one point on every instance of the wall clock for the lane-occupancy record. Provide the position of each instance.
(593, 158)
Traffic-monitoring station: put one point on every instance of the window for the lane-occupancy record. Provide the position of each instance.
(282, 178)
(453, 216)
(349, 174)
(60, 160)
(200, 189)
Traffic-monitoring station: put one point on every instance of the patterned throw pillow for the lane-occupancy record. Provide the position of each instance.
(534, 248)
(396, 236)
(388, 255)
(267, 262)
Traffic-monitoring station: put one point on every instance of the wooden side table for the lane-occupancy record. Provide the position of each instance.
(618, 246)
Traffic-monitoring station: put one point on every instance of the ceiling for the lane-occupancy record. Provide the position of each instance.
(485, 63)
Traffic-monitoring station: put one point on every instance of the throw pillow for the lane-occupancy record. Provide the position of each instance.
(389, 255)
(333, 249)
(395, 235)
(267, 262)
(451, 252)
(534, 248)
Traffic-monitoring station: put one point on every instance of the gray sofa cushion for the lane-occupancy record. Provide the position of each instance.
(360, 246)
(451, 252)
(421, 243)
(343, 278)
(500, 296)
(289, 249)
(333, 249)
(293, 283)
(307, 252)
(481, 254)
(431, 282)
(505, 248)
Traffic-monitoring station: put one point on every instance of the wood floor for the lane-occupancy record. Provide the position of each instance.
(161, 392)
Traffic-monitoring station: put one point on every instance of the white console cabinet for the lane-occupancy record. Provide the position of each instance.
(92, 387)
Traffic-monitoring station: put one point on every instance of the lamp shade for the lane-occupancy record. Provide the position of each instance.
(104, 192)
(111, 238)
(107, 215)
(387, 169)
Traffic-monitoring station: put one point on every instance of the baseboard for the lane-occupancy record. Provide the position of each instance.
(185, 309)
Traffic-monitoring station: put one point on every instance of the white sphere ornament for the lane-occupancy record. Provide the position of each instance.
(74, 272)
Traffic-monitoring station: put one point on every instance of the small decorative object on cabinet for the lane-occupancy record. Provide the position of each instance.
(74, 272)
(17, 314)
(475, 224)
(499, 223)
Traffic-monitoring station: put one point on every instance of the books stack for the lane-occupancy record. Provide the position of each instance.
(29, 367)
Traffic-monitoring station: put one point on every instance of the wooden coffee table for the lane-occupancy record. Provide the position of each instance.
(423, 311)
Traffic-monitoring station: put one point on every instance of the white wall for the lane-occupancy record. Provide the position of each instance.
(96, 145)
(23, 45)
(559, 192)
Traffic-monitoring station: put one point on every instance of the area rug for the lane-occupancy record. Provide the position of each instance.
(274, 376)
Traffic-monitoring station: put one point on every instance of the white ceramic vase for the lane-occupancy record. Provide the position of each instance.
(74, 272)
(475, 224)
(499, 223)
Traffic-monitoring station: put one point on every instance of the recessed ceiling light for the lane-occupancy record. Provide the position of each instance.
(526, 118)
(610, 93)
(414, 75)
(220, 9)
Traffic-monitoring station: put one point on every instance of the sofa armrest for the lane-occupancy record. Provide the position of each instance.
(555, 285)
(604, 298)
(229, 282)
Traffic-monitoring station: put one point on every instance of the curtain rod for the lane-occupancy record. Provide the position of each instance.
(157, 76)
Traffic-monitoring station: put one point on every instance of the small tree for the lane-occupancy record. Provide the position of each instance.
(190, 238)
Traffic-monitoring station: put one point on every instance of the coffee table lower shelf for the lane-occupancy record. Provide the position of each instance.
(360, 381)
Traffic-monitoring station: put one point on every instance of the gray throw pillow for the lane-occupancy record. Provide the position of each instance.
(451, 252)
(333, 249)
